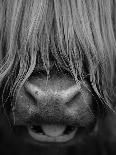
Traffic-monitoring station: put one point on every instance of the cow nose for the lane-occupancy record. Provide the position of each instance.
(48, 95)
(57, 101)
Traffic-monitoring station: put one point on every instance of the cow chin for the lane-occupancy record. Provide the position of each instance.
(54, 110)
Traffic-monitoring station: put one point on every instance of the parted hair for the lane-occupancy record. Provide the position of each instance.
(78, 34)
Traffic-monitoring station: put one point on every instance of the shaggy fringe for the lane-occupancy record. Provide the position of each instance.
(73, 31)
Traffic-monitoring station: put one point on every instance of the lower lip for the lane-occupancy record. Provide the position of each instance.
(28, 136)
(43, 137)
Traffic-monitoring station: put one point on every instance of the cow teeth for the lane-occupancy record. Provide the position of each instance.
(53, 130)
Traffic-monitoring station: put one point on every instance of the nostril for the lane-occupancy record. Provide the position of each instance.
(34, 91)
(70, 93)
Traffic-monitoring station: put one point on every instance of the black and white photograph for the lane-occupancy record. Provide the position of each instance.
(57, 77)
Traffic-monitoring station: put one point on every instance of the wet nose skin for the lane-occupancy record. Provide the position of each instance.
(57, 100)
(62, 96)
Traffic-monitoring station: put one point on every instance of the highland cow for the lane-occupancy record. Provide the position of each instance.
(57, 76)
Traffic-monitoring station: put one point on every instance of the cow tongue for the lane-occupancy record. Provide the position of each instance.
(53, 130)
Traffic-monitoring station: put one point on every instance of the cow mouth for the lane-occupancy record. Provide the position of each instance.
(52, 133)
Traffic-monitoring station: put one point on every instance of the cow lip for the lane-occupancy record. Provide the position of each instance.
(52, 133)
